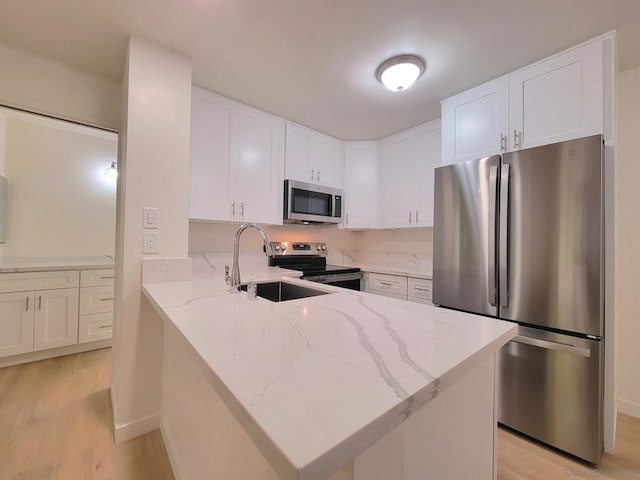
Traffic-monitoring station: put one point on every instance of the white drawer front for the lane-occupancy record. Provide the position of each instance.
(96, 278)
(419, 300)
(378, 282)
(22, 282)
(92, 328)
(390, 295)
(96, 300)
(420, 288)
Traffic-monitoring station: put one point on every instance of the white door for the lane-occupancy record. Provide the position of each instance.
(361, 185)
(16, 323)
(428, 157)
(557, 99)
(396, 168)
(299, 153)
(329, 161)
(260, 166)
(475, 123)
(213, 145)
(56, 318)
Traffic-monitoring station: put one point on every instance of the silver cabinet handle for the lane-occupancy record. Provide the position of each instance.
(503, 142)
(561, 347)
(504, 235)
(417, 217)
(517, 139)
(409, 217)
(242, 210)
(106, 299)
(27, 304)
(106, 326)
(347, 219)
(106, 277)
(386, 284)
(233, 209)
(318, 176)
(420, 289)
(491, 271)
(313, 173)
(39, 302)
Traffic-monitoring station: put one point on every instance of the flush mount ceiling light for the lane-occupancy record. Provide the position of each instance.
(111, 172)
(399, 73)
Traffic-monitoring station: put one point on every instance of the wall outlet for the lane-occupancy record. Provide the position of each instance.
(150, 217)
(150, 243)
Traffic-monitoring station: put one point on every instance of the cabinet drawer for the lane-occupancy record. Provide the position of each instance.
(22, 282)
(419, 288)
(92, 328)
(379, 282)
(419, 300)
(96, 300)
(390, 295)
(96, 278)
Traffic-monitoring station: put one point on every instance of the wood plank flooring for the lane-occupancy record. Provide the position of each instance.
(55, 423)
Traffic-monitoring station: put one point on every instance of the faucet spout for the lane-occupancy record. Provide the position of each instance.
(235, 271)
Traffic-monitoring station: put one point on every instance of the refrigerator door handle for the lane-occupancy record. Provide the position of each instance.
(504, 235)
(491, 264)
(561, 347)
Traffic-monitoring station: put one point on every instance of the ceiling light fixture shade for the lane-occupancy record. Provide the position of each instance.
(111, 172)
(399, 73)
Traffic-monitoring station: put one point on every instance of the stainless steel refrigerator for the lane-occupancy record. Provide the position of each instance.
(521, 237)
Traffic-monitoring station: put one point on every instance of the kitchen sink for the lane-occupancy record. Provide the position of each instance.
(281, 291)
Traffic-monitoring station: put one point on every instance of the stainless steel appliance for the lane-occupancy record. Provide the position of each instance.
(311, 259)
(309, 203)
(520, 237)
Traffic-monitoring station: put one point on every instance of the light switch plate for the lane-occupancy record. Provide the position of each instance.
(150, 243)
(149, 217)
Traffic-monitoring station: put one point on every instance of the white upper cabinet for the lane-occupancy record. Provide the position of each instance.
(313, 157)
(361, 185)
(237, 161)
(476, 123)
(406, 176)
(260, 166)
(557, 99)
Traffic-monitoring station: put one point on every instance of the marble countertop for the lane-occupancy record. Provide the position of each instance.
(316, 381)
(35, 264)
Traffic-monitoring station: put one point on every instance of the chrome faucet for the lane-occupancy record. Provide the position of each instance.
(235, 271)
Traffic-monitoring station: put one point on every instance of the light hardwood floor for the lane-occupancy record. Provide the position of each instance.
(55, 423)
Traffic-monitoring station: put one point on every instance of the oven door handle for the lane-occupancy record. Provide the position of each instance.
(338, 277)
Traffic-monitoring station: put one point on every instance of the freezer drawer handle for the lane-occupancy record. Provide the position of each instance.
(561, 347)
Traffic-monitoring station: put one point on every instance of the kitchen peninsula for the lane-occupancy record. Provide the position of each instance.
(345, 385)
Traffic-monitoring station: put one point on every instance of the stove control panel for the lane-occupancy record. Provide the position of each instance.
(299, 248)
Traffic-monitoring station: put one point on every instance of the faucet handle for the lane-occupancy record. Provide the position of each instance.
(227, 276)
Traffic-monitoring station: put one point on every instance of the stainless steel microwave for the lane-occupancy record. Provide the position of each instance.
(310, 203)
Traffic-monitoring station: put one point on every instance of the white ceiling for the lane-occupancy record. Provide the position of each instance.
(313, 61)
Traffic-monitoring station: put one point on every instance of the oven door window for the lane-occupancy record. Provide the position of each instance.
(311, 203)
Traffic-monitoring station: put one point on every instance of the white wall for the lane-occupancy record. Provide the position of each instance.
(59, 202)
(154, 172)
(35, 83)
(627, 235)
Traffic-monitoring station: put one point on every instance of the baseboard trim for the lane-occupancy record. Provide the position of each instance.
(53, 352)
(134, 429)
(629, 408)
(176, 465)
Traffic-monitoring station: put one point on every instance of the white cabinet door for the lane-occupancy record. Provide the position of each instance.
(329, 161)
(260, 166)
(427, 158)
(299, 153)
(475, 123)
(397, 182)
(557, 99)
(361, 185)
(213, 150)
(56, 318)
(16, 323)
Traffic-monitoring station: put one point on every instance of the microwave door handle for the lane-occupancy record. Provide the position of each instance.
(491, 273)
(504, 235)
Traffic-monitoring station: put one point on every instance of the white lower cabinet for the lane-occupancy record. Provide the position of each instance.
(98, 326)
(398, 286)
(96, 305)
(16, 323)
(419, 290)
(56, 318)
